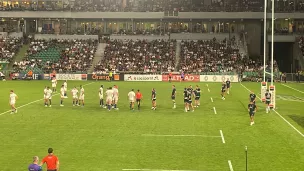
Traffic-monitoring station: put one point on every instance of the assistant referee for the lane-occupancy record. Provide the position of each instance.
(52, 161)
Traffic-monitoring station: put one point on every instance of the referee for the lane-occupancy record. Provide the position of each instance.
(52, 162)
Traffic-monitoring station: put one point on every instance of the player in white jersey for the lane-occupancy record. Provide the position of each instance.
(48, 97)
(74, 92)
(54, 84)
(115, 97)
(109, 99)
(62, 95)
(81, 96)
(44, 94)
(65, 86)
(131, 96)
(100, 93)
(12, 101)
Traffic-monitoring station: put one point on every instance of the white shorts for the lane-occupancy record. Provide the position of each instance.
(75, 97)
(81, 97)
(53, 85)
(12, 102)
(109, 99)
(132, 100)
(100, 96)
(44, 97)
(48, 97)
(115, 99)
(62, 95)
(65, 89)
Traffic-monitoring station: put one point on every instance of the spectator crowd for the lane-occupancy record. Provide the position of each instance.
(9, 47)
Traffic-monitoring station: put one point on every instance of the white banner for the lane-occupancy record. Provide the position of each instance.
(69, 76)
(130, 77)
(218, 78)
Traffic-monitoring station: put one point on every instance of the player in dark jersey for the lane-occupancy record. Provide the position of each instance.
(268, 100)
(190, 100)
(251, 109)
(252, 97)
(173, 96)
(153, 98)
(228, 85)
(197, 93)
(186, 99)
(223, 90)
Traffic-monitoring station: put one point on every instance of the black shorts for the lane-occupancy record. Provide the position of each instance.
(169, 78)
(189, 102)
(154, 100)
(197, 98)
(267, 102)
(251, 113)
(185, 101)
(228, 86)
(223, 91)
(137, 100)
(173, 97)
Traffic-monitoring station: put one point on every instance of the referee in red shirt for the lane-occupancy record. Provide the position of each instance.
(52, 162)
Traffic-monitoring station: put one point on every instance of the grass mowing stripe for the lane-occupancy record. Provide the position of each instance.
(292, 88)
(222, 136)
(230, 165)
(279, 115)
(214, 110)
(36, 101)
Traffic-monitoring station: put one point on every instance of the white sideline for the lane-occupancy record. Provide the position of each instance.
(230, 165)
(222, 135)
(207, 85)
(211, 99)
(35, 101)
(159, 135)
(154, 170)
(214, 110)
(293, 88)
(208, 90)
(280, 116)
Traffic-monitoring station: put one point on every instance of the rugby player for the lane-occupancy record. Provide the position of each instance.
(115, 97)
(251, 109)
(34, 166)
(138, 99)
(74, 92)
(182, 76)
(252, 97)
(48, 97)
(44, 96)
(81, 96)
(65, 86)
(131, 96)
(170, 76)
(12, 101)
(153, 98)
(52, 161)
(197, 93)
(268, 99)
(190, 100)
(228, 85)
(54, 84)
(62, 95)
(223, 90)
(186, 99)
(109, 99)
(173, 96)
(101, 97)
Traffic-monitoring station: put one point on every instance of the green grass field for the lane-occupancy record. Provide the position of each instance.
(93, 139)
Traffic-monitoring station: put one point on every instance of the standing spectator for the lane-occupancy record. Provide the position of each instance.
(34, 166)
(298, 76)
(51, 161)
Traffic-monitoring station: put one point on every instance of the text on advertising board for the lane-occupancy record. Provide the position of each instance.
(128, 77)
(187, 77)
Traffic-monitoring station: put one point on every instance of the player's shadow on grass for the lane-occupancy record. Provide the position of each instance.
(298, 119)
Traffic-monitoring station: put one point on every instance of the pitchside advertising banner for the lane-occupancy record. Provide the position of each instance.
(187, 77)
(116, 77)
(71, 76)
(218, 78)
(130, 77)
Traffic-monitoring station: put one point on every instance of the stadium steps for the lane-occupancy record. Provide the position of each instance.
(177, 54)
(19, 56)
(298, 54)
(99, 55)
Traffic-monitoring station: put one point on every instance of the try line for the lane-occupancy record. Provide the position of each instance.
(292, 88)
(160, 135)
(279, 115)
(36, 101)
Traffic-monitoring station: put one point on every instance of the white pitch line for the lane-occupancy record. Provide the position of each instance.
(280, 116)
(159, 135)
(211, 99)
(155, 170)
(208, 90)
(222, 135)
(207, 85)
(292, 88)
(214, 110)
(230, 165)
(35, 101)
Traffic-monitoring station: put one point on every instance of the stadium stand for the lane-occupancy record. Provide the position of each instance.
(9, 46)
(301, 44)
(138, 55)
(59, 55)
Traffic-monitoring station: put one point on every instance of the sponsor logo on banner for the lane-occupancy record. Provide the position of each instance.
(84, 77)
(218, 78)
(69, 76)
(102, 77)
(47, 76)
(128, 77)
(187, 77)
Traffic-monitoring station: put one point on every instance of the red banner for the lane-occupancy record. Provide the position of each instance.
(187, 78)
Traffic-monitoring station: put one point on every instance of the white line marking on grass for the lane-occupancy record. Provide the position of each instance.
(222, 135)
(230, 165)
(35, 101)
(207, 85)
(214, 110)
(155, 170)
(159, 135)
(293, 88)
(211, 99)
(280, 116)
(208, 90)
